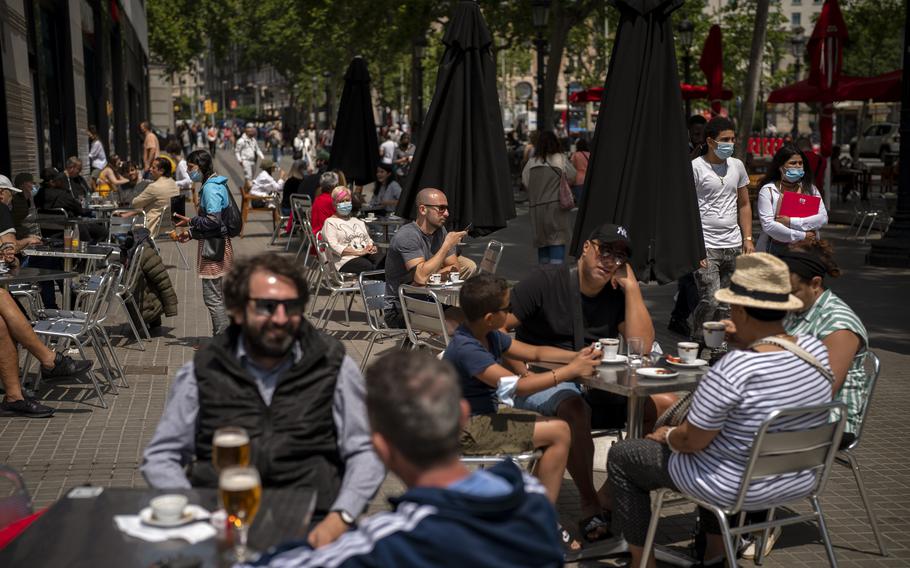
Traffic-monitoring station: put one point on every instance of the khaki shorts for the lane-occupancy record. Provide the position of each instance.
(509, 431)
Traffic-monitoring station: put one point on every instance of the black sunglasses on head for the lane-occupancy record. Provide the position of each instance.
(268, 306)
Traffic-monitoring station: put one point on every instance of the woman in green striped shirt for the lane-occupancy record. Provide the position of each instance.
(831, 320)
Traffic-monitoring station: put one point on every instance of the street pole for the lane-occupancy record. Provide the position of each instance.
(750, 87)
(687, 64)
(540, 43)
(894, 248)
(795, 129)
(223, 106)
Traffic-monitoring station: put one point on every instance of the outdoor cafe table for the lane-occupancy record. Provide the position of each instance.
(30, 275)
(386, 222)
(447, 293)
(80, 531)
(91, 252)
(104, 210)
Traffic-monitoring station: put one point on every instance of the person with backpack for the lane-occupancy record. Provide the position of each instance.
(216, 221)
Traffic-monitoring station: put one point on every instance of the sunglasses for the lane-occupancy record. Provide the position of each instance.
(439, 208)
(268, 307)
(608, 256)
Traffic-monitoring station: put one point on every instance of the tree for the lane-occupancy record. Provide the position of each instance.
(176, 32)
(750, 85)
(876, 31)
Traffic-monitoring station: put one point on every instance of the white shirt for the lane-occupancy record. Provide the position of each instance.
(265, 185)
(247, 149)
(387, 149)
(96, 155)
(768, 199)
(182, 176)
(716, 187)
(341, 233)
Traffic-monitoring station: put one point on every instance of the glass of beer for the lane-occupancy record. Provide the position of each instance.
(230, 446)
(241, 492)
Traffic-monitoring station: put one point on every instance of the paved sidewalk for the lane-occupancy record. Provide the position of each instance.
(84, 443)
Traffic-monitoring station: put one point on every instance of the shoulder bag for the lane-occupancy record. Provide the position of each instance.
(566, 199)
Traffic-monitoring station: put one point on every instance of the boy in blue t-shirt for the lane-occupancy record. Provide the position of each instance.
(476, 351)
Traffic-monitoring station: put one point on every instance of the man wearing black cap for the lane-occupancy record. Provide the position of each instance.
(573, 305)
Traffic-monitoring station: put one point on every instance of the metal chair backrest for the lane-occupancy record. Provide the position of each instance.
(325, 260)
(121, 226)
(101, 299)
(134, 268)
(15, 502)
(301, 206)
(778, 452)
(873, 366)
(422, 313)
(375, 299)
(491, 256)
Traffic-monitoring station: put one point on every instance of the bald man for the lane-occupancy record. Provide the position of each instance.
(419, 249)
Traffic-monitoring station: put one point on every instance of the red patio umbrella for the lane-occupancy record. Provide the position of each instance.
(881, 88)
(712, 64)
(826, 59)
(689, 92)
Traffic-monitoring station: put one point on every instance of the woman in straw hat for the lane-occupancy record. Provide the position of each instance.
(705, 456)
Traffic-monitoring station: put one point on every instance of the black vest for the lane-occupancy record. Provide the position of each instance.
(293, 441)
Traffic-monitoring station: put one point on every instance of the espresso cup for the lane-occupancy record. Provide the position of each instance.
(168, 508)
(688, 351)
(610, 348)
(715, 332)
(435, 278)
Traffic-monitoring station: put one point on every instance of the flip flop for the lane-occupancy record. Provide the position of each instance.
(595, 528)
(568, 543)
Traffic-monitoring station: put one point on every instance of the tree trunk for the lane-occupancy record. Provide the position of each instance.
(556, 47)
(750, 88)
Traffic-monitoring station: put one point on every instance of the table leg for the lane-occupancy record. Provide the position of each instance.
(635, 415)
(67, 292)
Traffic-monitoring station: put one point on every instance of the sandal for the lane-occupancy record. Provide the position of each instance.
(595, 528)
(565, 537)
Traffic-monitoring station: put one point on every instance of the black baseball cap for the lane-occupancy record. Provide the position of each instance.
(608, 233)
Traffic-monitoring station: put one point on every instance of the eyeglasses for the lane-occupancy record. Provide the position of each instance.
(439, 208)
(609, 256)
(268, 306)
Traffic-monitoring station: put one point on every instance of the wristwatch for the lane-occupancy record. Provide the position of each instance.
(348, 518)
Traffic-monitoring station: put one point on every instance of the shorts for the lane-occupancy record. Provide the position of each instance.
(547, 401)
(509, 431)
(608, 410)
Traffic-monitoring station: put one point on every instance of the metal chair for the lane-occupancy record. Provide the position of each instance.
(301, 205)
(16, 503)
(491, 257)
(120, 227)
(338, 283)
(878, 214)
(775, 452)
(526, 460)
(423, 317)
(164, 215)
(375, 301)
(847, 457)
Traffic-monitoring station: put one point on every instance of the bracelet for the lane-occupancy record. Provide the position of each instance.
(667, 439)
(555, 380)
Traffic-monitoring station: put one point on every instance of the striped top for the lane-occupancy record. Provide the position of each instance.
(735, 397)
(827, 315)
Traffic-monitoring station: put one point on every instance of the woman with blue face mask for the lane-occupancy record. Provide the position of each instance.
(350, 247)
(789, 172)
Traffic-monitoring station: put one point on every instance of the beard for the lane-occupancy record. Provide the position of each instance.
(270, 340)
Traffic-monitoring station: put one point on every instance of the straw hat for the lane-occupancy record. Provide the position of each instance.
(761, 280)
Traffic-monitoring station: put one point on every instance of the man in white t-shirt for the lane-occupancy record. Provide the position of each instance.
(722, 189)
(387, 150)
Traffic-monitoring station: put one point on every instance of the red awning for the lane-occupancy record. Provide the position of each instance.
(592, 95)
(689, 92)
(883, 88)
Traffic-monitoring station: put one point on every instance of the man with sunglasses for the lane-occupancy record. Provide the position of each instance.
(291, 387)
(419, 249)
(570, 306)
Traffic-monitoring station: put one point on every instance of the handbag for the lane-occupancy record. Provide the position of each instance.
(213, 249)
(566, 199)
(676, 414)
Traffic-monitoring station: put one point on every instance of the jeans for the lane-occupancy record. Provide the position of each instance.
(708, 280)
(248, 167)
(213, 298)
(553, 254)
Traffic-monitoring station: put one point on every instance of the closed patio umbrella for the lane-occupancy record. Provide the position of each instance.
(640, 176)
(462, 148)
(355, 149)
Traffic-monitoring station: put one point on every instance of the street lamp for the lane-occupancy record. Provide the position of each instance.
(420, 51)
(797, 43)
(686, 31)
(540, 12)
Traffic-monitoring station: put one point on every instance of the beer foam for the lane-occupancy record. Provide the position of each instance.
(231, 440)
(240, 481)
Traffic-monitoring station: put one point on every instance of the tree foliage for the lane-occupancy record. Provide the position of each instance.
(876, 36)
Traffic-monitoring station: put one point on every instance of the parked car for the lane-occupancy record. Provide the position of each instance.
(879, 139)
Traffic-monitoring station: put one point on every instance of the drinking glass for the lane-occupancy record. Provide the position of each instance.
(240, 490)
(230, 447)
(635, 351)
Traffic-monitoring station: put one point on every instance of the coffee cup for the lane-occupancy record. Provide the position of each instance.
(715, 332)
(168, 508)
(610, 348)
(688, 351)
(435, 278)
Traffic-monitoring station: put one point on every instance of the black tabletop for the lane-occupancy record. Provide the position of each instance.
(80, 532)
(29, 274)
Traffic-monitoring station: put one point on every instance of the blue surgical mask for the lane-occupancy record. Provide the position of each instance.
(196, 176)
(35, 191)
(344, 208)
(724, 150)
(793, 175)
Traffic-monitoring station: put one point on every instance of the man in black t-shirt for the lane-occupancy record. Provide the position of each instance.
(610, 304)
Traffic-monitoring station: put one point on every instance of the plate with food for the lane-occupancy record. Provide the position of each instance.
(678, 362)
(657, 373)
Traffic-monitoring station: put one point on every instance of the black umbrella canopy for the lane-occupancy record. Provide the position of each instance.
(462, 149)
(355, 148)
(640, 175)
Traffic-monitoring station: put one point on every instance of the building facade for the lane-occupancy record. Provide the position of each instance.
(67, 64)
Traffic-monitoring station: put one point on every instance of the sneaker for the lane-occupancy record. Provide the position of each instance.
(679, 326)
(66, 366)
(749, 552)
(29, 408)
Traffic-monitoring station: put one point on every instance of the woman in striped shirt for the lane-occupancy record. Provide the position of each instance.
(706, 455)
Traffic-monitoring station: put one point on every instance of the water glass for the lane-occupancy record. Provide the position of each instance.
(635, 351)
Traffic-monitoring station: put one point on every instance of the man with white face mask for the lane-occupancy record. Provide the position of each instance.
(722, 189)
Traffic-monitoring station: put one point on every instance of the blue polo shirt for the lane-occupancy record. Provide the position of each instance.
(470, 358)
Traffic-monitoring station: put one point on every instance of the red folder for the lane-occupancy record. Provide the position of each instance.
(798, 205)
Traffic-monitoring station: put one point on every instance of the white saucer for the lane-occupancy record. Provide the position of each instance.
(695, 363)
(657, 373)
(618, 360)
(191, 514)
